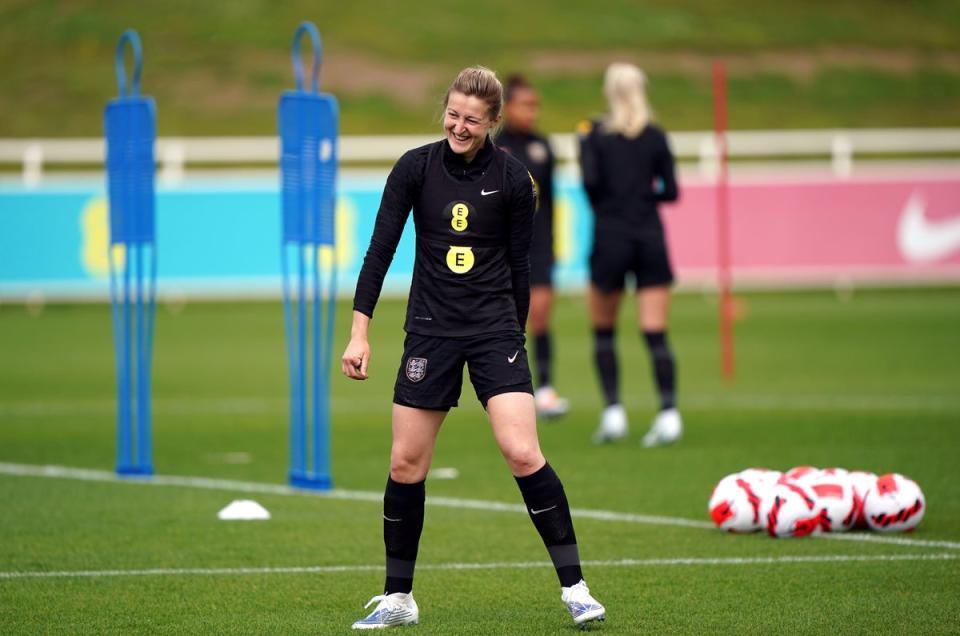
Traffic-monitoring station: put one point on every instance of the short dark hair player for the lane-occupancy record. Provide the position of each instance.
(519, 137)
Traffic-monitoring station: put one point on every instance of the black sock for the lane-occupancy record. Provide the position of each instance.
(548, 508)
(664, 368)
(402, 525)
(605, 357)
(543, 353)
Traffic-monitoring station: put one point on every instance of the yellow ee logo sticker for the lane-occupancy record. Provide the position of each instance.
(95, 232)
(460, 213)
(460, 259)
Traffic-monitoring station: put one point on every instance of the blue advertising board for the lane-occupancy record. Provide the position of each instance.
(53, 238)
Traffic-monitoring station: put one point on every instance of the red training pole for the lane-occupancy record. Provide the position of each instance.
(723, 219)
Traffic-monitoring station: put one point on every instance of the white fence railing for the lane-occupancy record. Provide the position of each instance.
(174, 154)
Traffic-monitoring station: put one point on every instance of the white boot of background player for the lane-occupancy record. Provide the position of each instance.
(549, 404)
(613, 424)
(667, 428)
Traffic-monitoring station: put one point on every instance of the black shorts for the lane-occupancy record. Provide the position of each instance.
(431, 370)
(645, 256)
(541, 269)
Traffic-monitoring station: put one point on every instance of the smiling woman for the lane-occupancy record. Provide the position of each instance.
(471, 110)
(473, 207)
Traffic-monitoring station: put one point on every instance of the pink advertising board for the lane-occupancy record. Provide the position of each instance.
(822, 229)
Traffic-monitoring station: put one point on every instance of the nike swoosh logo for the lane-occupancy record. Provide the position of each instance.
(536, 512)
(389, 519)
(510, 359)
(484, 193)
(922, 240)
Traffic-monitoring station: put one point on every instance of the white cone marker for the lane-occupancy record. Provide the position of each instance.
(243, 510)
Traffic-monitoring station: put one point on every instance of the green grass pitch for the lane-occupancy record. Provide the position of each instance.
(217, 68)
(870, 381)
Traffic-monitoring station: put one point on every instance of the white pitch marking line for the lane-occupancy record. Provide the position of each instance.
(229, 485)
(519, 565)
(888, 540)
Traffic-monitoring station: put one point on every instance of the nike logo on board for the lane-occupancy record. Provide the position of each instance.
(921, 239)
(484, 193)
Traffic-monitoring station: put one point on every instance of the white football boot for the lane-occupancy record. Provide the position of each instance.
(613, 424)
(667, 428)
(583, 607)
(549, 404)
(393, 610)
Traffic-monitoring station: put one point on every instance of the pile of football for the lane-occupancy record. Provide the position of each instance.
(807, 500)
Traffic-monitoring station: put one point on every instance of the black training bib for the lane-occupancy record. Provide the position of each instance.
(461, 276)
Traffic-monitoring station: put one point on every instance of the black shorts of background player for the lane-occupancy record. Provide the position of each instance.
(628, 170)
(473, 207)
(521, 109)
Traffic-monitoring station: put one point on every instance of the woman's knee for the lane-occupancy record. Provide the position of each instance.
(524, 459)
(603, 308)
(408, 467)
(539, 321)
(654, 308)
(539, 317)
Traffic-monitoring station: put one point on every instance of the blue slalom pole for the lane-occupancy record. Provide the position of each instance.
(308, 127)
(145, 357)
(317, 366)
(130, 132)
(300, 464)
(323, 388)
(127, 379)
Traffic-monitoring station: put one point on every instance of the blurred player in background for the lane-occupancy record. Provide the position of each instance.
(521, 109)
(473, 208)
(628, 170)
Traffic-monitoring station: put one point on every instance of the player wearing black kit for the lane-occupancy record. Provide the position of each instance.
(628, 170)
(625, 179)
(470, 289)
(519, 138)
(473, 209)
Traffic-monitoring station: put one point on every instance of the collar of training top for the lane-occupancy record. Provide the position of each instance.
(458, 166)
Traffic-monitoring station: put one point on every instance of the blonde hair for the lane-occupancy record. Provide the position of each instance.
(482, 83)
(625, 87)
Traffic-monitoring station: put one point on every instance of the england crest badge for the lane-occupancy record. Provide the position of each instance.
(416, 369)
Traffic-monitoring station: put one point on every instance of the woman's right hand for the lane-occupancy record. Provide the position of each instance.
(356, 356)
(355, 359)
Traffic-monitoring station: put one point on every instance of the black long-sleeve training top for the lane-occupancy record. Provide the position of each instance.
(473, 221)
(626, 178)
(535, 154)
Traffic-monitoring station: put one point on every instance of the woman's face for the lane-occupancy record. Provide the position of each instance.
(466, 123)
(522, 110)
